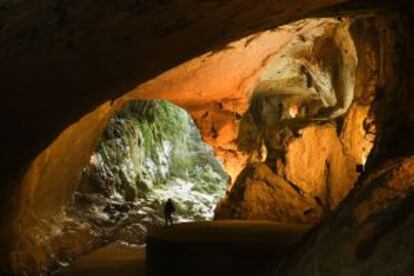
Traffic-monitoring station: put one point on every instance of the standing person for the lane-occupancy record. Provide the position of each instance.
(169, 208)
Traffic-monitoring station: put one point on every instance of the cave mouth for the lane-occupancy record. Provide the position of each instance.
(150, 150)
(292, 124)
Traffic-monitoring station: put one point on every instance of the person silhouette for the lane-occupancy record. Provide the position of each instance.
(169, 208)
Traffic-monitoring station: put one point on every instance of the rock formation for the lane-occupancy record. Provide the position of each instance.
(294, 125)
(371, 234)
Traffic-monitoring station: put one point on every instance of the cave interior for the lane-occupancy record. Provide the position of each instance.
(283, 133)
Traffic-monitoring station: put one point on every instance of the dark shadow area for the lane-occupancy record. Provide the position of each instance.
(220, 247)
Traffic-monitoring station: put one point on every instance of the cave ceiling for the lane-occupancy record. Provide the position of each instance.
(61, 59)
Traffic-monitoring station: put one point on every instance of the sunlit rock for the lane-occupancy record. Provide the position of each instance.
(359, 132)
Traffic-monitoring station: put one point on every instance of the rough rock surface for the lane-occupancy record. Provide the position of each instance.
(370, 234)
(317, 175)
(260, 194)
(291, 125)
(317, 163)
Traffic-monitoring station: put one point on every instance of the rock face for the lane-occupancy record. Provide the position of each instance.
(260, 194)
(315, 71)
(317, 163)
(370, 234)
(298, 126)
(316, 176)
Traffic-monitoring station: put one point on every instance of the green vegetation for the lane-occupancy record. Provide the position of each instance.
(150, 151)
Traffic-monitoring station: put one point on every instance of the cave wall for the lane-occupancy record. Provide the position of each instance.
(61, 60)
(323, 161)
(53, 55)
(370, 232)
(317, 164)
(189, 85)
(40, 229)
(305, 124)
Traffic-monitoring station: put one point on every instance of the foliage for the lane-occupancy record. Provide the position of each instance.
(152, 150)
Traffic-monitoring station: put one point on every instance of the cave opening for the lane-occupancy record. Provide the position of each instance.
(290, 113)
(150, 151)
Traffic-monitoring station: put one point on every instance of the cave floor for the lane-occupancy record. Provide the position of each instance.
(220, 247)
(257, 231)
(189, 245)
(113, 259)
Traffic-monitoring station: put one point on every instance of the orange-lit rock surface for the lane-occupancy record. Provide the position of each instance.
(260, 194)
(218, 123)
(291, 126)
(41, 227)
(216, 87)
(317, 176)
(370, 234)
(317, 163)
(359, 131)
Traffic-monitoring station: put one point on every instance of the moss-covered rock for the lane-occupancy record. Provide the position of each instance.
(150, 151)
